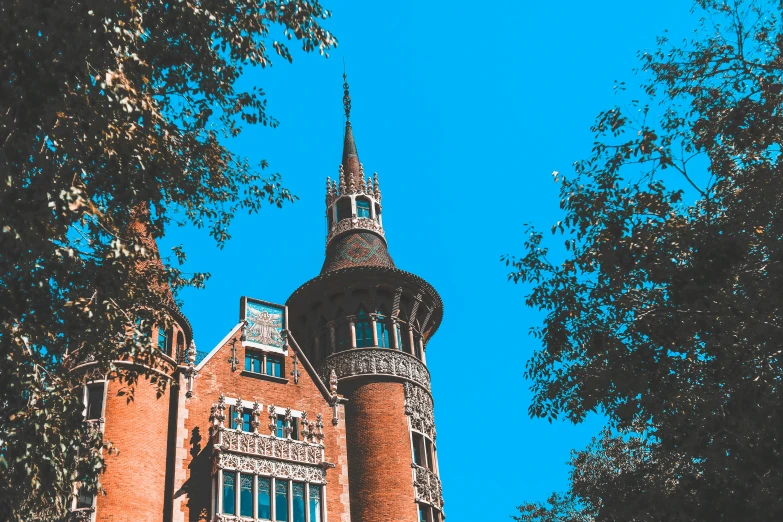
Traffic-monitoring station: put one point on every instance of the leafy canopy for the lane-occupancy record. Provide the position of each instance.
(666, 314)
(112, 114)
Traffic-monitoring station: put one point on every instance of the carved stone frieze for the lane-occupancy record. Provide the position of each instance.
(81, 515)
(226, 439)
(419, 407)
(354, 224)
(427, 487)
(376, 361)
(256, 465)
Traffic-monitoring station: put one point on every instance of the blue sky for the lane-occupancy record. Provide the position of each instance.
(464, 109)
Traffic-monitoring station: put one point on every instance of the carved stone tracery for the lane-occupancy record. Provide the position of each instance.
(419, 407)
(376, 361)
(427, 487)
(354, 223)
(269, 467)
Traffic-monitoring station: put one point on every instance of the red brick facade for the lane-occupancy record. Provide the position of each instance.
(348, 387)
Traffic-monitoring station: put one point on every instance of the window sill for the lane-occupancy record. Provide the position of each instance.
(265, 377)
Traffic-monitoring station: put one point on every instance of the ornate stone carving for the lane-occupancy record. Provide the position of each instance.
(81, 515)
(228, 440)
(376, 361)
(427, 487)
(418, 405)
(354, 223)
(315, 474)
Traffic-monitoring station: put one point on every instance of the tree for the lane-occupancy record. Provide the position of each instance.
(112, 111)
(665, 314)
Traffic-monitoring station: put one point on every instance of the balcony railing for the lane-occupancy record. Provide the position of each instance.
(427, 487)
(227, 439)
(359, 362)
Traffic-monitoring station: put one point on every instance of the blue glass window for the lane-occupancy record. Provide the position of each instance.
(280, 425)
(363, 329)
(247, 417)
(343, 336)
(315, 503)
(229, 494)
(281, 500)
(382, 331)
(246, 495)
(403, 341)
(274, 366)
(253, 361)
(299, 502)
(362, 208)
(264, 498)
(163, 341)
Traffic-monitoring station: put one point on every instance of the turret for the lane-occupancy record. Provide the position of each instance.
(367, 322)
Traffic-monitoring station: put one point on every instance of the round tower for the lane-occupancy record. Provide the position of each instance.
(140, 423)
(368, 323)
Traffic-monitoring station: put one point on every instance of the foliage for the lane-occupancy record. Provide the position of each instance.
(112, 113)
(666, 314)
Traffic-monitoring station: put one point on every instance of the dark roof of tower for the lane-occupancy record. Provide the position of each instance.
(356, 249)
(351, 165)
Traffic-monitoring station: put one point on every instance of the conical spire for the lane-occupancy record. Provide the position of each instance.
(351, 165)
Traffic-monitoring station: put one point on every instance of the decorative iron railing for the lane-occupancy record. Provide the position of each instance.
(427, 486)
(376, 361)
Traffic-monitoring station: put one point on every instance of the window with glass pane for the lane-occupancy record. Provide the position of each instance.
(246, 495)
(84, 500)
(315, 503)
(343, 336)
(382, 330)
(402, 338)
(428, 448)
(281, 500)
(344, 209)
(264, 498)
(417, 345)
(247, 417)
(163, 344)
(363, 329)
(417, 455)
(229, 493)
(362, 208)
(274, 366)
(280, 424)
(298, 502)
(94, 401)
(253, 361)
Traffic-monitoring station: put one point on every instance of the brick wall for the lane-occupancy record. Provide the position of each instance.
(135, 479)
(216, 377)
(379, 453)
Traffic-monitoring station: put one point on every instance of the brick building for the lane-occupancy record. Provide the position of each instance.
(319, 409)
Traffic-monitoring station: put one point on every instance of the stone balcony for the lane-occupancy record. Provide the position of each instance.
(227, 439)
(361, 362)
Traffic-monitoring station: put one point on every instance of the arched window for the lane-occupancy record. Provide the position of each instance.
(403, 340)
(180, 347)
(344, 208)
(164, 343)
(342, 332)
(362, 208)
(382, 328)
(363, 329)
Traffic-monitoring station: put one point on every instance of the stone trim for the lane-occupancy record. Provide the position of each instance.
(360, 362)
(419, 407)
(427, 487)
(269, 468)
(227, 439)
(354, 223)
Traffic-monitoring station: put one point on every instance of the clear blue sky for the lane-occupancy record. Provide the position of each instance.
(464, 109)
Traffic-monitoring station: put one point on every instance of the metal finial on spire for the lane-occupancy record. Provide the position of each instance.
(346, 97)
